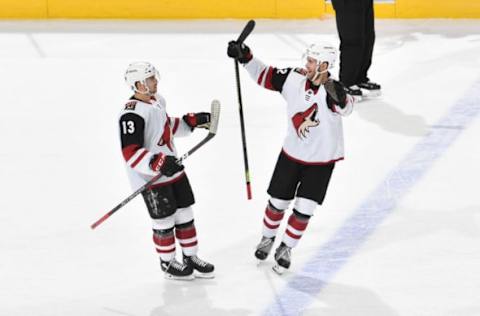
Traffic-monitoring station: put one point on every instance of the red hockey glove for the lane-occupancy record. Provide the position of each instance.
(201, 120)
(166, 165)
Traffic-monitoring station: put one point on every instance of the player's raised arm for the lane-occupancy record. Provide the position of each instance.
(268, 77)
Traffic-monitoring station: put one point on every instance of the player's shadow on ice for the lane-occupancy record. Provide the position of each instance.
(191, 298)
(340, 299)
(391, 119)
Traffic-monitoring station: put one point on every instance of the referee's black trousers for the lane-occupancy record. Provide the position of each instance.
(355, 25)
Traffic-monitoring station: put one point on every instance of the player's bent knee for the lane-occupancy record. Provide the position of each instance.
(183, 215)
(163, 223)
(305, 206)
(279, 204)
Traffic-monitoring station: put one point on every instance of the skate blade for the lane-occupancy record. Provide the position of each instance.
(278, 269)
(371, 93)
(357, 98)
(200, 275)
(169, 276)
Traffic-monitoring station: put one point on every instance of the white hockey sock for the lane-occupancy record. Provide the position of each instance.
(295, 229)
(165, 245)
(187, 236)
(271, 221)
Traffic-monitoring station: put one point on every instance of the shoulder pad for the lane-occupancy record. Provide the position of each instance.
(130, 105)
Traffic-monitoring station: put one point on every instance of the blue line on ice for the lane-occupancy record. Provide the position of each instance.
(330, 257)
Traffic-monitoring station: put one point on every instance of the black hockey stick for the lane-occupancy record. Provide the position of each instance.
(215, 114)
(246, 31)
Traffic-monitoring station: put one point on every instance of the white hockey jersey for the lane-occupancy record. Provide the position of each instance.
(314, 132)
(146, 130)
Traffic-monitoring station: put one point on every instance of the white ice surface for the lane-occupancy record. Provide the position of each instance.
(61, 169)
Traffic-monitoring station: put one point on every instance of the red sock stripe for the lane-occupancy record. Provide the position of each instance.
(296, 223)
(289, 233)
(273, 215)
(269, 225)
(186, 233)
(164, 241)
(190, 244)
(165, 251)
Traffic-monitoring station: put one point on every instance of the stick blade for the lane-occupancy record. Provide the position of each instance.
(215, 116)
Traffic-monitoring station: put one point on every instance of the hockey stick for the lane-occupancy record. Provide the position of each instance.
(246, 31)
(215, 114)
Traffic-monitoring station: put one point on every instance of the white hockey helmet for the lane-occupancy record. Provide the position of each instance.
(322, 52)
(139, 72)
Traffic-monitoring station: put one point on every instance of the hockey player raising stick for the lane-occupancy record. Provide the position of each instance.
(314, 141)
(147, 133)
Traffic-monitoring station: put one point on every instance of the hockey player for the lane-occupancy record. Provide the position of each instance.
(314, 141)
(147, 137)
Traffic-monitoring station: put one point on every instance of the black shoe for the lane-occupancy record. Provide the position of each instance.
(371, 89)
(355, 92)
(176, 270)
(283, 256)
(202, 268)
(369, 85)
(264, 248)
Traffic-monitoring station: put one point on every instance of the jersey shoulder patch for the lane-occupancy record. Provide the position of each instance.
(130, 105)
(283, 71)
(301, 71)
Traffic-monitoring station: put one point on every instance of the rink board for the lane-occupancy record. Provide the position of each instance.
(215, 9)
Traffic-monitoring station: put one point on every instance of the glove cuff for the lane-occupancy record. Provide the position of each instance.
(246, 58)
(190, 119)
(157, 162)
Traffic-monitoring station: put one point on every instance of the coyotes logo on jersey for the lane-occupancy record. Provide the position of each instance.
(302, 121)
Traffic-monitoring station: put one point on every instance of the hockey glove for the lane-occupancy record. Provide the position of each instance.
(336, 94)
(166, 165)
(239, 51)
(201, 120)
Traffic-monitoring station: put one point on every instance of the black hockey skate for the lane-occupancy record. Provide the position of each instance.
(176, 270)
(202, 268)
(264, 248)
(370, 89)
(282, 257)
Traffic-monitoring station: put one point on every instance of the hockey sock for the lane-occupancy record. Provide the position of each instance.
(164, 243)
(187, 236)
(297, 223)
(271, 220)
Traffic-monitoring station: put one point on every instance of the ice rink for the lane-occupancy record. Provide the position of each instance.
(398, 234)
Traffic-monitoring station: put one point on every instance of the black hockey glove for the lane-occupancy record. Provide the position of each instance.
(201, 120)
(240, 52)
(336, 94)
(166, 165)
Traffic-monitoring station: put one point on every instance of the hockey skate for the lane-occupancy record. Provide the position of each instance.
(264, 248)
(201, 268)
(282, 258)
(370, 89)
(175, 270)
